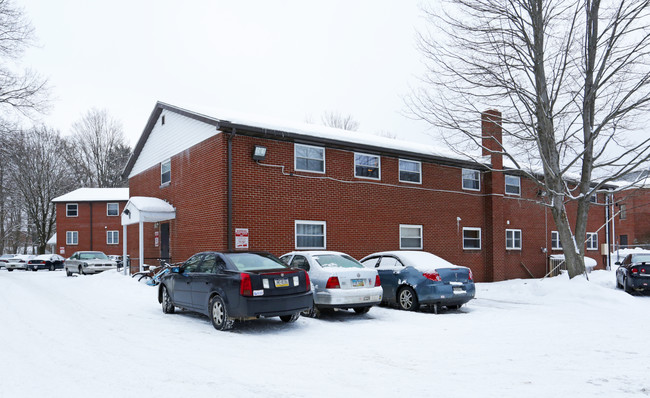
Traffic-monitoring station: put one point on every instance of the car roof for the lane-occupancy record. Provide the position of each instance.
(315, 252)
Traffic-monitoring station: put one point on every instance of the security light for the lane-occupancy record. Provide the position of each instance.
(259, 153)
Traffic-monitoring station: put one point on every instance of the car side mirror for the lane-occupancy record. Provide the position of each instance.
(617, 263)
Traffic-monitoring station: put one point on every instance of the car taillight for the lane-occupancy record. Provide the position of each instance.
(333, 283)
(635, 270)
(308, 281)
(434, 276)
(471, 276)
(643, 270)
(245, 287)
(377, 281)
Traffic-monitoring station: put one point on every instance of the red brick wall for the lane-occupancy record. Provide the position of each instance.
(637, 223)
(101, 223)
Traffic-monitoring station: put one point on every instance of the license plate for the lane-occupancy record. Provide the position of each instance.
(458, 290)
(357, 283)
(282, 282)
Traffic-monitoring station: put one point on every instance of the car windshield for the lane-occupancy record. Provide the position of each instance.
(92, 256)
(641, 258)
(255, 261)
(337, 260)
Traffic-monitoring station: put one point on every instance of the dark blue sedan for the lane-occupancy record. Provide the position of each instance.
(633, 274)
(236, 286)
(413, 278)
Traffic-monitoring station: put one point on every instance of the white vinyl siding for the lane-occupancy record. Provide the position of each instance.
(311, 234)
(410, 236)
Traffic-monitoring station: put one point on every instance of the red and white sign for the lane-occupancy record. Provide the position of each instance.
(241, 238)
(156, 240)
(62, 250)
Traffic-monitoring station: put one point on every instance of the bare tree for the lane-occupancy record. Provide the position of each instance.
(97, 150)
(572, 77)
(339, 121)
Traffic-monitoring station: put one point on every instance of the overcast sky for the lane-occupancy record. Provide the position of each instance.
(286, 59)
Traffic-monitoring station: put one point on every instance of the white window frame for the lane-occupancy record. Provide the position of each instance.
(593, 238)
(108, 205)
(593, 198)
(479, 238)
(555, 236)
(72, 238)
(378, 166)
(295, 158)
(623, 212)
(517, 185)
(67, 209)
(419, 227)
(112, 234)
(462, 179)
(399, 171)
(521, 239)
(307, 222)
(162, 165)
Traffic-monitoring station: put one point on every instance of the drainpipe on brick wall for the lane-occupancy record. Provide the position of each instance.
(229, 234)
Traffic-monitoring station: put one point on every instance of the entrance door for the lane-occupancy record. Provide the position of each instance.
(164, 242)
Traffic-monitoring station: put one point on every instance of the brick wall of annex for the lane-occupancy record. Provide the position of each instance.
(362, 216)
(636, 224)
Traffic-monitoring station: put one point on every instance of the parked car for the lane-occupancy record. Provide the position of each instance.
(414, 278)
(18, 262)
(4, 259)
(118, 260)
(46, 261)
(236, 286)
(338, 280)
(633, 274)
(88, 262)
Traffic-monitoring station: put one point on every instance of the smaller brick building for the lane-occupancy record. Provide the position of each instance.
(89, 219)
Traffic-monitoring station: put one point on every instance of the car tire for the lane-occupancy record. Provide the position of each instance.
(52, 268)
(67, 272)
(35, 269)
(167, 304)
(454, 307)
(407, 300)
(290, 318)
(618, 285)
(626, 286)
(81, 270)
(219, 314)
(10, 269)
(361, 310)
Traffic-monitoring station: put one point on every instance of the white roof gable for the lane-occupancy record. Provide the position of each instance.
(95, 195)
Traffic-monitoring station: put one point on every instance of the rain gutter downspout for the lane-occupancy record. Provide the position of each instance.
(229, 234)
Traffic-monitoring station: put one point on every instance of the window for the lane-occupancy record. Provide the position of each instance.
(623, 213)
(592, 241)
(471, 180)
(390, 263)
(410, 236)
(622, 241)
(410, 171)
(513, 185)
(310, 234)
(367, 166)
(555, 241)
(513, 239)
(593, 198)
(300, 262)
(192, 265)
(472, 238)
(72, 238)
(112, 237)
(309, 158)
(165, 172)
(71, 210)
(112, 209)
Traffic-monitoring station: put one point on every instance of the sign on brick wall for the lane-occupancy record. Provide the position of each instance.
(241, 238)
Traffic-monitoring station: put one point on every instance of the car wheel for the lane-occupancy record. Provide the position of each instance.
(407, 299)
(626, 286)
(362, 310)
(219, 314)
(81, 270)
(290, 318)
(35, 269)
(453, 307)
(167, 305)
(10, 269)
(67, 272)
(618, 285)
(52, 267)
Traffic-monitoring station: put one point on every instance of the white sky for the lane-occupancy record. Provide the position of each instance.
(285, 59)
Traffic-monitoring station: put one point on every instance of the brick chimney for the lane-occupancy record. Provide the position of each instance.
(491, 134)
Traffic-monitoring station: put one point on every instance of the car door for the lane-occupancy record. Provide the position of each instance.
(389, 270)
(202, 281)
(71, 263)
(181, 292)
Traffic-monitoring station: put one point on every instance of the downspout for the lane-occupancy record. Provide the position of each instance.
(229, 233)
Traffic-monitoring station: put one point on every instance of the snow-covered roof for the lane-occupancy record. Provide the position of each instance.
(147, 209)
(95, 195)
(52, 240)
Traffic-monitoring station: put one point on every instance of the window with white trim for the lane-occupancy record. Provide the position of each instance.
(555, 241)
(72, 238)
(623, 213)
(513, 239)
(410, 171)
(593, 198)
(410, 236)
(309, 158)
(112, 209)
(165, 172)
(112, 237)
(311, 234)
(592, 241)
(471, 238)
(471, 180)
(367, 166)
(71, 210)
(513, 185)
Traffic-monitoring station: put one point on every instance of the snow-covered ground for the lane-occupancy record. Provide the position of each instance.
(106, 336)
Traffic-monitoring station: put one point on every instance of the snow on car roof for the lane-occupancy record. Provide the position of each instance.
(422, 261)
(95, 195)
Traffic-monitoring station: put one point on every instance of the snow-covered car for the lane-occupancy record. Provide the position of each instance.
(87, 262)
(46, 261)
(339, 281)
(4, 259)
(633, 274)
(414, 278)
(18, 262)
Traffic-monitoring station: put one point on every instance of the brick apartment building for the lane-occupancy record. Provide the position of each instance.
(236, 183)
(89, 219)
(632, 220)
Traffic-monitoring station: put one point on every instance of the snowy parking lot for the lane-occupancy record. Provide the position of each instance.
(106, 336)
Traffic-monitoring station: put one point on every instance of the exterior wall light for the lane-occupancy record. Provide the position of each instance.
(259, 153)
